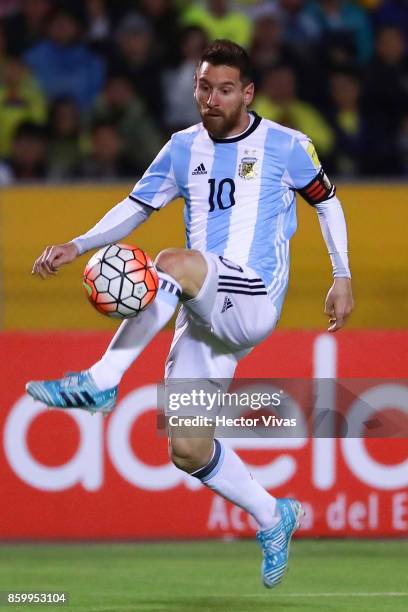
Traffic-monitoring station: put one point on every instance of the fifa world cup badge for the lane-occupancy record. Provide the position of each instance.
(248, 168)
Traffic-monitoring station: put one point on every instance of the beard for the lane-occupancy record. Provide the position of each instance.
(220, 125)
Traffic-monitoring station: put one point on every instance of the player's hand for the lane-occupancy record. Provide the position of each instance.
(53, 257)
(339, 303)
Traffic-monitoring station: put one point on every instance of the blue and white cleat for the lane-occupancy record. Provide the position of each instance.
(76, 390)
(275, 542)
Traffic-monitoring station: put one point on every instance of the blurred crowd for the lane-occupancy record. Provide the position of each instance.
(91, 89)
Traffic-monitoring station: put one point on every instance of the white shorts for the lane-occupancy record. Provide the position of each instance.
(231, 314)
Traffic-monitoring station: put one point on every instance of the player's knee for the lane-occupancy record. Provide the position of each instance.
(170, 261)
(188, 455)
(188, 268)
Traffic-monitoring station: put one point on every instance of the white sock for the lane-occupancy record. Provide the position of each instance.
(228, 476)
(135, 334)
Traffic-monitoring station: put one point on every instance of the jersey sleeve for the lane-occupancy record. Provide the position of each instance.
(306, 175)
(158, 186)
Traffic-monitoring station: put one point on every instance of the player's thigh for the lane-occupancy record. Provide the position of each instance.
(198, 369)
(196, 353)
(233, 304)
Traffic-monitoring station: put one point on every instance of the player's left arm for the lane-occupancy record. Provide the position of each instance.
(339, 301)
(320, 193)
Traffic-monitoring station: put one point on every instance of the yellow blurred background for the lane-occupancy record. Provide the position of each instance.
(32, 217)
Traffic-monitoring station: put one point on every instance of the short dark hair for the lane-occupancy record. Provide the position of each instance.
(222, 52)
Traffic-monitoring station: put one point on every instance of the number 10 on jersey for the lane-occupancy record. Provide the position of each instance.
(221, 195)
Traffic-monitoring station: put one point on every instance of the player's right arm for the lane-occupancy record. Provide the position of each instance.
(53, 257)
(115, 225)
(155, 189)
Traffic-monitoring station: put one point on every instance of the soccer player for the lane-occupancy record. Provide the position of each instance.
(238, 174)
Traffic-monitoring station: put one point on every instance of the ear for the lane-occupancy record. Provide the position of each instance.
(249, 91)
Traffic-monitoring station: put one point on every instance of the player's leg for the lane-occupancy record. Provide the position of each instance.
(195, 353)
(199, 358)
(220, 469)
(181, 272)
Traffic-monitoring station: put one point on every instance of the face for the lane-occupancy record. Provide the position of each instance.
(118, 92)
(35, 10)
(222, 99)
(293, 6)
(106, 143)
(279, 85)
(64, 29)
(218, 7)
(390, 45)
(267, 33)
(331, 5)
(135, 44)
(66, 119)
(28, 150)
(193, 45)
(155, 8)
(344, 90)
(14, 73)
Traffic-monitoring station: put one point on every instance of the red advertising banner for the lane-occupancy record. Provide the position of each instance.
(67, 474)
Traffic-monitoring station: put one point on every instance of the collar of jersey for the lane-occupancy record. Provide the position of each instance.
(257, 120)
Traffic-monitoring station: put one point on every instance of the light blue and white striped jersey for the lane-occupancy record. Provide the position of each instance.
(239, 193)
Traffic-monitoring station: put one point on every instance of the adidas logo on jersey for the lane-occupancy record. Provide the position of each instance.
(227, 304)
(199, 170)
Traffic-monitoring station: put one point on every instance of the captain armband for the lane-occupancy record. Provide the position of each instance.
(318, 190)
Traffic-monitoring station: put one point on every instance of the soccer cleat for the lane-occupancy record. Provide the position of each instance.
(275, 542)
(76, 390)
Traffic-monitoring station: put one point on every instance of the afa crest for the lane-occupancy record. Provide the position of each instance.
(248, 168)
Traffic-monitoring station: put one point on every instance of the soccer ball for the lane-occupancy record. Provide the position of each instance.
(120, 281)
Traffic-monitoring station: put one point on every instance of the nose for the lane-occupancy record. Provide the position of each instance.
(212, 99)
